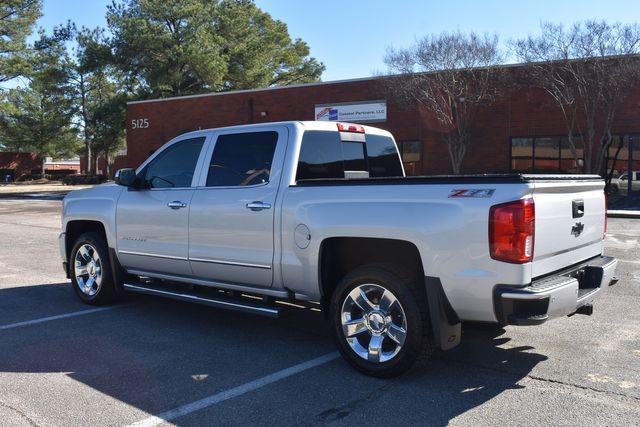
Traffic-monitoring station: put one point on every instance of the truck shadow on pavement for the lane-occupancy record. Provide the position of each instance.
(156, 354)
(446, 386)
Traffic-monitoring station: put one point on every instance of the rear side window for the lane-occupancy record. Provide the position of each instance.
(320, 156)
(324, 156)
(242, 159)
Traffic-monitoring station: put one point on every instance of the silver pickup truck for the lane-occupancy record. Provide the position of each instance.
(258, 217)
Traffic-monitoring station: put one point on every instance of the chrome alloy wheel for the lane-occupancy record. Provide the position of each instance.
(88, 269)
(373, 323)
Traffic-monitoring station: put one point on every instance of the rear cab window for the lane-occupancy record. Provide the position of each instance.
(325, 155)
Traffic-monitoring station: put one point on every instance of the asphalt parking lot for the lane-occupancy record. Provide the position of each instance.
(151, 361)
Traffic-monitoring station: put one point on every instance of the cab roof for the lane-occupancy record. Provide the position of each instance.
(306, 124)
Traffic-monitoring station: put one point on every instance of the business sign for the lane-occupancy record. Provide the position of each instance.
(356, 112)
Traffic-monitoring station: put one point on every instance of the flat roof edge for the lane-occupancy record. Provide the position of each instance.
(262, 89)
(360, 79)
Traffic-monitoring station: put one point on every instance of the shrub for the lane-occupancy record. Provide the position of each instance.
(84, 179)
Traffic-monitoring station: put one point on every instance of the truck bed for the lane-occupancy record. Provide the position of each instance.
(507, 178)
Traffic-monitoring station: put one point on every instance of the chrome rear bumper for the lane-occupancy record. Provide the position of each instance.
(556, 295)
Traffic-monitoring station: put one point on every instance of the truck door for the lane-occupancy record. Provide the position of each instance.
(231, 221)
(152, 222)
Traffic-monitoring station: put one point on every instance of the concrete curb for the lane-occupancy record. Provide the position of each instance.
(623, 214)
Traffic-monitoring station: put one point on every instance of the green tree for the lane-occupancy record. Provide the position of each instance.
(93, 84)
(108, 124)
(180, 47)
(38, 117)
(17, 18)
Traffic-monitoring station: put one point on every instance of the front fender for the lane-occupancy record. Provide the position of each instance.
(95, 204)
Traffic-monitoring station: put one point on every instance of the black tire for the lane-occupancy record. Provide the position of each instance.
(106, 291)
(417, 343)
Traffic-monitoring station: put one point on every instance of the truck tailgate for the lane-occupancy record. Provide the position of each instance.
(569, 223)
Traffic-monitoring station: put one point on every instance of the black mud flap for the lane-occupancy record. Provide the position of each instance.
(117, 272)
(444, 320)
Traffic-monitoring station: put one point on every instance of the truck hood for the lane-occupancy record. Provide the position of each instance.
(109, 190)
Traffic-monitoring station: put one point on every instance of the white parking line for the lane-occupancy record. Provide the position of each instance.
(234, 392)
(59, 316)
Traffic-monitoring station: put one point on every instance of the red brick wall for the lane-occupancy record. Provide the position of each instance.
(117, 163)
(21, 163)
(525, 112)
(65, 167)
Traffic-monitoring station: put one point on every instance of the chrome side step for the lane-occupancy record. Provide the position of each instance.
(221, 301)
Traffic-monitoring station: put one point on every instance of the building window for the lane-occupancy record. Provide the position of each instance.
(618, 154)
(545, 154)
(411, 151)
(522, 154)
(567, 159)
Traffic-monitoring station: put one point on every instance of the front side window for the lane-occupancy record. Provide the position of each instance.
(174, 167)
(242, 159)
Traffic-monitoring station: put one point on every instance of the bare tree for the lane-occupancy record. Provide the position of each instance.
(588, 70)
(452, 75)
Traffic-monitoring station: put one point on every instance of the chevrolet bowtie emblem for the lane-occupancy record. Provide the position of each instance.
(576, 230)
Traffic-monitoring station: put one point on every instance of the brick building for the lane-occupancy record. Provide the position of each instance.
(18, 165)
(24, 165)
(523, 131)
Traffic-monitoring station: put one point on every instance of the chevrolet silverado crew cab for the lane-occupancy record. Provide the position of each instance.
(265, 216)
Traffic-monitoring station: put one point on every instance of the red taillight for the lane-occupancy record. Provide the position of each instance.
(512, 231)
(606, 207)
(348, 127)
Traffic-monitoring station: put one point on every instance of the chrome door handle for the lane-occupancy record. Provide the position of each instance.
(176, 204)
(258, 206)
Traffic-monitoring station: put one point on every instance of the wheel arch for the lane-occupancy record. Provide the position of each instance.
(339, 255)
(76, 228)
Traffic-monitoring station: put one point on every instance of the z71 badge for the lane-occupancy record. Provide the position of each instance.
(476, 192)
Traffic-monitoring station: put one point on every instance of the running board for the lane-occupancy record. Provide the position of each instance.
(189, 295)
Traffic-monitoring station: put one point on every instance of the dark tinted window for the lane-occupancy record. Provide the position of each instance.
(320, 156)
(383, 157)
(174, 167)
(242, 159)
(353, 155)
(324, 156)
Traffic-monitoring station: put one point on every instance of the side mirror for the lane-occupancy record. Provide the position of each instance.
(125, 177)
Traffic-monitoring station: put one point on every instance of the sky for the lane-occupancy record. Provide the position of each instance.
(351, 36)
